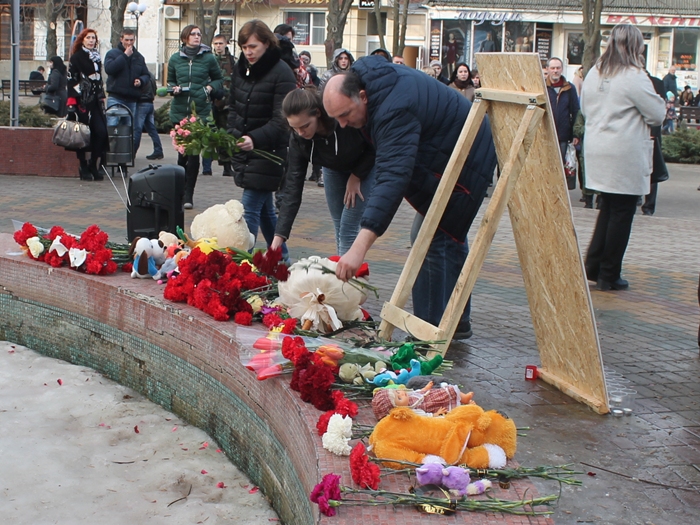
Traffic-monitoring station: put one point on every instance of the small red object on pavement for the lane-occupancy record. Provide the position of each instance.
(530, 372)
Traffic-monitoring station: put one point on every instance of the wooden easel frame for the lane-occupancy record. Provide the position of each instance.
(515, 96)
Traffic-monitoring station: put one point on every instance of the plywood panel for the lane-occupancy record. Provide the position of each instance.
(540, 213)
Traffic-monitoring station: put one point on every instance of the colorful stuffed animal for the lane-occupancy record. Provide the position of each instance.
(399, 379)
(467, 434)
(407, 352)
(144, 266)
(159, 251)
(454, 479)
(226, 223)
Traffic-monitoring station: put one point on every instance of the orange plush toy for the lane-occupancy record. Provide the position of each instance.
(467, 434)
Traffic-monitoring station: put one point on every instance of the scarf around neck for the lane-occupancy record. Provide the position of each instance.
(93, 54)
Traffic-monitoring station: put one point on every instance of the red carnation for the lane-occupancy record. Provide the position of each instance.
(244, 318)
(322, 424)
(272, 320)
(289, 325)
(363, 471)
(26, 232)
(344, 406)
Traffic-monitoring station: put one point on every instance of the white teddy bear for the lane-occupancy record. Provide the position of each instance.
(225, 222)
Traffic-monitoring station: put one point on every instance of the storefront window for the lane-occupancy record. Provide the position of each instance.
(685, 49)
(488, 37)
(309, 27)
(574, 48)
(543, 42)
(664, 52)
(519, 37)
(455, 44)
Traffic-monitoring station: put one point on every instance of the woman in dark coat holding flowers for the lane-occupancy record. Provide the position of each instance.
(259, 84)
(86, 100)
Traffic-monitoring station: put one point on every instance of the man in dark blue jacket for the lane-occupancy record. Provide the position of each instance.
(127, 74)
(564, 101)
(413, 122)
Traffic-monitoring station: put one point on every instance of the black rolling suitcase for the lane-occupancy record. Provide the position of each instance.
(155, 194)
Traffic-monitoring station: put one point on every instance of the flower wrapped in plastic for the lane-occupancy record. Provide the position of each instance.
(315, 295)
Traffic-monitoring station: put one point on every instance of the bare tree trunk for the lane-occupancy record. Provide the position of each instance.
(380, 27)
(116, 9)
(208, 33)
(404, 23)
(337, 16)
(395, 34)
(51, 10)
(591, 10)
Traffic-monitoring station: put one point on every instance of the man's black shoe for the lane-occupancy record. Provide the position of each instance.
(605, 286)
(464, 331)
(154, 156)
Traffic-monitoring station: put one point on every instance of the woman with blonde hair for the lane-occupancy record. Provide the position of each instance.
(619, 104)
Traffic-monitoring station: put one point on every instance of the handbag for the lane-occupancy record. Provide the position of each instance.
(50, 103)
(659, 172)
(570, 166)
(71, 134)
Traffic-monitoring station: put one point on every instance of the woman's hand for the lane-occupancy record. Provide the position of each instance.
(352, 188)
(246, 144)
(277, 242)
(176, 90)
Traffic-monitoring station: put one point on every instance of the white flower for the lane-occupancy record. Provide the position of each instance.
(337, 435)
(35, 246)
(318, 296)
(77, 257)
(58, 247)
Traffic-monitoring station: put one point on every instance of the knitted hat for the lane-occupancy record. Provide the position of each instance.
(435, 63)
(383, 402)
(670, 95)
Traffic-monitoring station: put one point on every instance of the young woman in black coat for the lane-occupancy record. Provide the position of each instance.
(57, 84)
(345, 155)
(259, 84)
(86, 100)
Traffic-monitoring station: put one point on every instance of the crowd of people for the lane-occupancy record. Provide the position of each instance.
(374, 132)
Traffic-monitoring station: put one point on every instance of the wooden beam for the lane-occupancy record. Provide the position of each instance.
(437, 207)
(599, 406)
(514, 97)
(414, 326)
(517, 156)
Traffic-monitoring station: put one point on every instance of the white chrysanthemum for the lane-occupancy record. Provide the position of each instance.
(312, 294)
(338, 435)
(35, 246)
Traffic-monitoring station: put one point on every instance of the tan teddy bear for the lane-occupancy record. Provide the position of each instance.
(225, 223)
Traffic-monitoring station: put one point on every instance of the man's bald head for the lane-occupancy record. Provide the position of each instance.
(345, 100)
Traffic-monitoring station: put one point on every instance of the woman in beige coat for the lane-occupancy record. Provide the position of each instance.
(619, 104)
(461, 80)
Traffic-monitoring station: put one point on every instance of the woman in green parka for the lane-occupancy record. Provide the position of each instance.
(193, 73)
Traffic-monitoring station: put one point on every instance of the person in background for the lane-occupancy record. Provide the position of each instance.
(686, 98)
(430, 72)
(38, 74)
(619, 104)
(346, 155)
(565, 104)
(259, 84)
(342, 60)
(146, 109)
(382, 53)
(577, 81)
(305, 57)
(437, 67)
(649, 206)
(398, 59)
(57, 84)
(126, 75)
(671, 81)
(476, 78)
(461, 81)
(671, 115)
(86, 100)
(193, 75)
(219, 105)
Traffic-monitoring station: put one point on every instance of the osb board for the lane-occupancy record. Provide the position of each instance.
(540, 212)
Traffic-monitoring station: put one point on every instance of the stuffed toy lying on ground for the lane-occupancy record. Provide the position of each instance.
(143, 253)
(427, 401)
(225, 223)
(466, 434)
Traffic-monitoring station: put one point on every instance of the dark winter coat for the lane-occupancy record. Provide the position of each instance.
(346, 150)
(335, 68)
(257, 93)
(122, 70)
(82, 68)
(414, 123)
(57, 85)
(565, 107)
(89, 98)
(196, 74)
(670, 84)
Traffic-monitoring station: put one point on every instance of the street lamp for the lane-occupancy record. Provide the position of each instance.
(136, 10)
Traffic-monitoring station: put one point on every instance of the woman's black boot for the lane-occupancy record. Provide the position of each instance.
(95, 171)
(84, 170)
